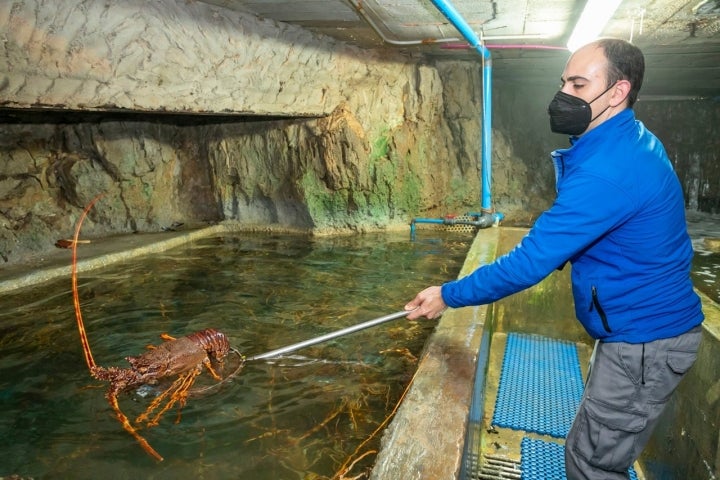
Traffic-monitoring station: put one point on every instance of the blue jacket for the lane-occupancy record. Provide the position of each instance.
(619, 219)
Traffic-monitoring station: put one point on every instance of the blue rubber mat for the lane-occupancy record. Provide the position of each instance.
(540, 385)
(541, 460)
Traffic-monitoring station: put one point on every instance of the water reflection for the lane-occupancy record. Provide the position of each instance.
(301, 416)
(706, 263)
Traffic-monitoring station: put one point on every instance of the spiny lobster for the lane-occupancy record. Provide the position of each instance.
(182, 358)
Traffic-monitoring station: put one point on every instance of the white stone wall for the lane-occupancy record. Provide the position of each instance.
(183, 56)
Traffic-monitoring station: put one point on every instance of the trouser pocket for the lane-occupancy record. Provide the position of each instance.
(673, 359)
(606, 437)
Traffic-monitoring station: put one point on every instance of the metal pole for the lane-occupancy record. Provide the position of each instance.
(331, 335)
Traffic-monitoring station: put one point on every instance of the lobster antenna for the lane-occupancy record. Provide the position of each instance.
(76, 298)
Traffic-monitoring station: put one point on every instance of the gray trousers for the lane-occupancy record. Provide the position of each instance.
(626, 391)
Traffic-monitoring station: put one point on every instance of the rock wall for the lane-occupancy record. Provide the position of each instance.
(523, 175)
(689, 131)
(325, 174)
(390, 138)
(269, 124)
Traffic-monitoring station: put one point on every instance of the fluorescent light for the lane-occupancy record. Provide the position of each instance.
(593, 19)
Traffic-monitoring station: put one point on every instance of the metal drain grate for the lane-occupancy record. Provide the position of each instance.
(495, 467)
(460, 227)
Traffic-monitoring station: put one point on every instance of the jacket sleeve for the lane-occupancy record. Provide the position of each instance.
(586, 208)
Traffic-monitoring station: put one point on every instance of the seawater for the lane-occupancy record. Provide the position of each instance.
(706, 263)
(300, 416)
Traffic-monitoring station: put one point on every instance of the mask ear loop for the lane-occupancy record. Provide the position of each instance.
(605, 109)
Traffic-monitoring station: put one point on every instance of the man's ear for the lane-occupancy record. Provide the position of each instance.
(620, 93)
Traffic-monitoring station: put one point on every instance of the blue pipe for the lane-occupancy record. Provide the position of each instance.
(447, 9)
(486, 204)
(487, 217)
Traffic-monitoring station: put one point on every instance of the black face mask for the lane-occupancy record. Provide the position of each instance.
(572, 115)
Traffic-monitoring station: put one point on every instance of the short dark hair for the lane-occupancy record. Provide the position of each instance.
(625, 62)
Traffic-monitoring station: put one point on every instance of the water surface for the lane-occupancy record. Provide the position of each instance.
(301, 416)
(706, 263)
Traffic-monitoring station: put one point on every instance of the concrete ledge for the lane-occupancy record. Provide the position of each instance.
(425, 440)
(106, 251)
(686, 443)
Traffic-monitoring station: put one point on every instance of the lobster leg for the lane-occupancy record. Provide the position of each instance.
(214, 374)
(164, 336)
(178, 391)
(112, 399)
(181, 394)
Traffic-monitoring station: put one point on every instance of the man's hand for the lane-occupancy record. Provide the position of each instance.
(428, 303)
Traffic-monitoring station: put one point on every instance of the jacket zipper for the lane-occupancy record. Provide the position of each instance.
(598, 307)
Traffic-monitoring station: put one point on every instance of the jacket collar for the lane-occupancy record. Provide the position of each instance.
(601, 133)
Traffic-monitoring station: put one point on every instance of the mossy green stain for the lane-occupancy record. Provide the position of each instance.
(395, 190)
(381, 146)
(323, 204)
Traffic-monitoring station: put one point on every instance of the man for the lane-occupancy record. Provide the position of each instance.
(619, 219)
